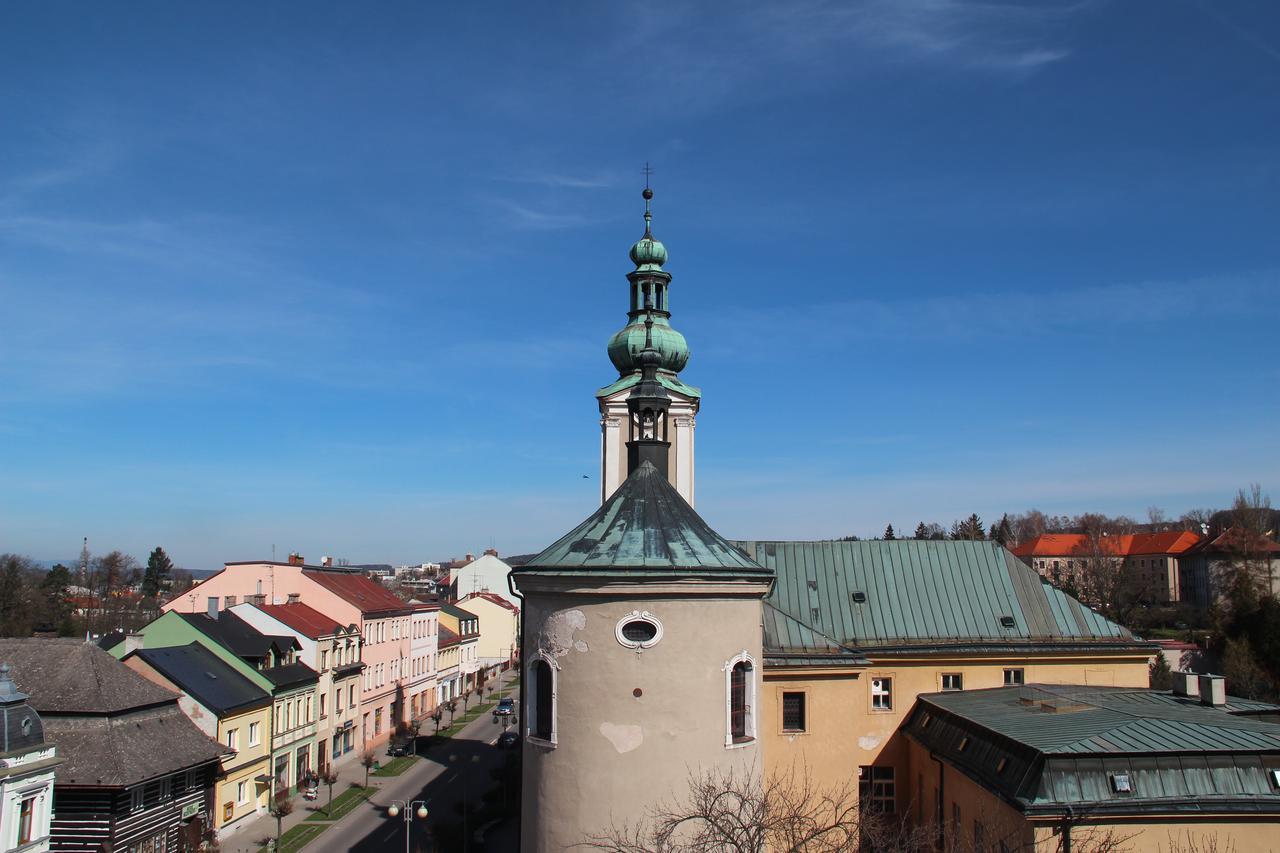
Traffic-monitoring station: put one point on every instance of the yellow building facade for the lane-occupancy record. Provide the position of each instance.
(245, 787)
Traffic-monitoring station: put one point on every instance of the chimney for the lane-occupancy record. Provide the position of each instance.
(257, 600)
(132, 642)
(470, 558)
(293, 598)
(327, 562)
(213, 607)
(492, 552)
(1186, 684)
(1213, 690)
(295, 559)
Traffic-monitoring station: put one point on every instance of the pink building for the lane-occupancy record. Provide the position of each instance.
(347, 597)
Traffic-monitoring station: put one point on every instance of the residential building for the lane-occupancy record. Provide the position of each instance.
(136, 773)
(855, 631)
(486, 573)
(424, 633)
(1050, 767)
(466, 625)
(227, 707)
(1208, 567)
(270, 662)
(333, 651)
(499, 642)
(1155, 561)
(449, 662)
(27, 763)
(344, 595)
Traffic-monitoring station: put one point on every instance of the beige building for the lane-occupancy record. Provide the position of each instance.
(499, 643)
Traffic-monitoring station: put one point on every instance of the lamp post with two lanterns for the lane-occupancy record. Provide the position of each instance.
(410, 809)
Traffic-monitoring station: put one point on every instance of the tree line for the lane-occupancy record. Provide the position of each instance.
(101, 593)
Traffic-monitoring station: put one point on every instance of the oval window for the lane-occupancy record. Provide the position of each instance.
(639, 632)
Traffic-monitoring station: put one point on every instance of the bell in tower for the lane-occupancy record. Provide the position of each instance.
(647, 408)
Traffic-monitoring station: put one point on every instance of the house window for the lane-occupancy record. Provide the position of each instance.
(741, 699)
(952, 681)
(351, 696)
(882, 694)
(233, 739)
(242, 792)
(377, 721)
(324, 659)
(323, 703)
(793, 711)
(255, 734)
(135, 798)
(1013, 677)
(542, 724)
(877, 789)
(26, 815)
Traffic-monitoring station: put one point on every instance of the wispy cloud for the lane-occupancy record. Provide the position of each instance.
(519, 215)
(562, 181)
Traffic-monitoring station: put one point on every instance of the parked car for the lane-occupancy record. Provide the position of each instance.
(398, 746)
(506, 707)
(508, 739)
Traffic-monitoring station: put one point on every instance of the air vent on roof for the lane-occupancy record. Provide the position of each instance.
(1121, 784)
(859, 597)
(1007, 622)
(816, 613)
(813, 585)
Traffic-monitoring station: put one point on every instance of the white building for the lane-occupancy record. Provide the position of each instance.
(26, 773)
(486, 573)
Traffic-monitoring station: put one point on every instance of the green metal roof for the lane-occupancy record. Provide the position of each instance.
(1043, 747)
(668, 380)
(920, 593)
(644, 527)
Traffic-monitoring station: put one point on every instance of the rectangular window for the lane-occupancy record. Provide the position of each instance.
(882, 694)
(255, 736)
(135, 798)
(377, 721)
(233, 739)
(351, 696)
(242, 792)
(324, 660)
(793, 717)
(952, 681)
(26, 816)
(323, 703)
(877, 789)
(1013, 677)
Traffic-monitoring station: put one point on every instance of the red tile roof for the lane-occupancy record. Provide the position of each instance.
(356, 589)
(1068, 544)
(494, 597)
(304, 619)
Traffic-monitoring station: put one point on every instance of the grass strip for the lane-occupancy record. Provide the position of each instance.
(343, 804)
(395, 766)
(298, 837)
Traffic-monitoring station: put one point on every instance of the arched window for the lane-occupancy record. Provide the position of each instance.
(542, 706)
(740, 696)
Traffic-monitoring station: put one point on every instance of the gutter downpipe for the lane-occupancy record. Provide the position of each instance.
(1066, 829)
(941, 816)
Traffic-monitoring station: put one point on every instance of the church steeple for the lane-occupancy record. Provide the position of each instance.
(647, 406)
(649, 297)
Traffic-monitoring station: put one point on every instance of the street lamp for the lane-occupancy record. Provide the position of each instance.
(410, 810)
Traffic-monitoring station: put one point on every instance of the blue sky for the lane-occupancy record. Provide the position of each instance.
(338, 278)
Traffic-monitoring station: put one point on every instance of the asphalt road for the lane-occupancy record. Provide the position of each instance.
(450, 771)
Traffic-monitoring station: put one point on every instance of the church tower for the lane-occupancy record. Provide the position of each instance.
(641, 628)
(648, 286)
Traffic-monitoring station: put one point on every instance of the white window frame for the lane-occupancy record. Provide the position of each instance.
(531, 712)
(1021, 678)
(888, 694)
(749, 726)
(233, 739)
(242, 793)
(638, 616)
(255, 734)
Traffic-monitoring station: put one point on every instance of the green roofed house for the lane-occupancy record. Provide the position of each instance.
(1059, 767)
(854, 631)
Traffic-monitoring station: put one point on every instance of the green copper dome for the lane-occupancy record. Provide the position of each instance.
(648, 253)
(627, 342)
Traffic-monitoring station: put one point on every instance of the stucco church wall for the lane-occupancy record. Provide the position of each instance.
(617, 752)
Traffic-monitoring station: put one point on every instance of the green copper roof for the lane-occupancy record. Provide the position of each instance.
(626, 343)
(648, 253)
(1045, 747)
(921, 593)
(645, 527)
(669, 381)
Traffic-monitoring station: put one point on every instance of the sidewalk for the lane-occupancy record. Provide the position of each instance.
(259, 830)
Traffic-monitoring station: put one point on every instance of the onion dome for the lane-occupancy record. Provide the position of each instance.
(627, 343)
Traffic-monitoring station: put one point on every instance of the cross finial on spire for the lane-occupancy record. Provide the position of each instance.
(648, 195)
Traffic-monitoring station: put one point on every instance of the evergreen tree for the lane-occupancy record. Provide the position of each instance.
(970, 528)
(922, 531)
(1161, 673)
(888, 533)
(56, 604)
(158, 575)
(1002, 532)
